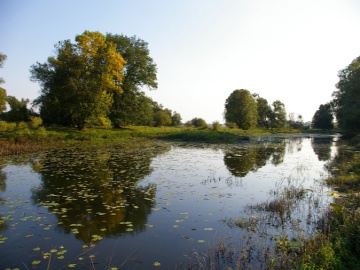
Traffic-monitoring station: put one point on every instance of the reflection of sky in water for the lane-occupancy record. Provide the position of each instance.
(194, 191)
(186, 169)
(19, 180)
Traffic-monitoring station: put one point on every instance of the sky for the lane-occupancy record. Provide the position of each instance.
(287, 50)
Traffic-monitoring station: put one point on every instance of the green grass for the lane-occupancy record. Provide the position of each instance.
(15, 141)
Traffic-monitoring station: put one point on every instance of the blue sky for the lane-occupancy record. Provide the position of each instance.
(287, 50)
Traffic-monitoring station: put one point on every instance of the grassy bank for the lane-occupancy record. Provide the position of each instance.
(28, 140)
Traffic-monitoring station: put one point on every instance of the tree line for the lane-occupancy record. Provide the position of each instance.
(345, 105)
(98, 80)
(246, 110)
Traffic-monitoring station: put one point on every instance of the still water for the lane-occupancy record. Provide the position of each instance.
(161, 206)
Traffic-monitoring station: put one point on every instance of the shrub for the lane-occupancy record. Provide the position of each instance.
(216, 125)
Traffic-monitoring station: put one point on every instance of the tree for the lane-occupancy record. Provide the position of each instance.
(176, 119)
(2, 90)
(198, 122)
(136, 109)
(295, 121)
(2, 100)
(278, 117)
(139, 71)
(162, 118)
(18, 110)
(241, 108)
(264, 111)
(2, 60)
(78, 83)
(323, 117)
(346, 100)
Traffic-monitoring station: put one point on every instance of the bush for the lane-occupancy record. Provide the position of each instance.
(216, 125)
(199, 122)
(231, 125)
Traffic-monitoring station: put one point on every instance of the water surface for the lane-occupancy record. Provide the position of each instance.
(105, 208)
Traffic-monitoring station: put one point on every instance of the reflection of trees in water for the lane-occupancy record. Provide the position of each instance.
(294, 144)
(322, 147)
(3, 225)
(243, 159)
(96, 192)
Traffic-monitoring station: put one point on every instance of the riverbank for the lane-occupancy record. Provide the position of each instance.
(29, 142)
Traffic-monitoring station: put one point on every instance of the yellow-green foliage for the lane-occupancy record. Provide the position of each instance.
(35, 122)
(21, 131)
(7, 127)
(216, 125)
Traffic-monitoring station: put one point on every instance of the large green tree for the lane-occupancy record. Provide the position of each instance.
(278, 116)
(323, 117)
(264, 111)
(139, 72)
(2, 90)
(347, 98)
(78, 83)
(241, 108)
(176, 119)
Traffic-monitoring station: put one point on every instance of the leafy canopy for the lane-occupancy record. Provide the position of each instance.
(346, 100)
(78, 82)
(132, 106)
(323, 117)
(241, 108)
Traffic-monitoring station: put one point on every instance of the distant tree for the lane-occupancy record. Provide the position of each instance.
(278, 116)
(162, 118)
(346, 100)
(188, 123)
(18, 110)
(323, 117)
(198, 122)
(139, 71)
(176, 119)
(295, 122)
(264, 111)
(216, 125)
(2, 90)
(78, 82)
(2, 60)
(241, 108)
